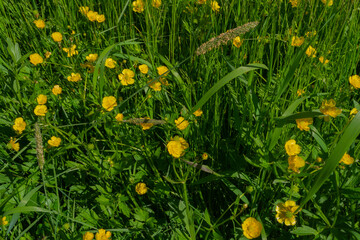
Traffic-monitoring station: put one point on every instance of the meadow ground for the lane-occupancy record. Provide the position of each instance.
(179, 119)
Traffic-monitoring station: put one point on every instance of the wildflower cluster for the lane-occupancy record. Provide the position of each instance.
(91, 15)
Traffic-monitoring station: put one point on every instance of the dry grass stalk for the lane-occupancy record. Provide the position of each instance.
(39, 147)
(144, 120)
(223, 38)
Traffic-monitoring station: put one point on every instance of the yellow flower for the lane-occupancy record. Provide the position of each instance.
(146, 125)
(4, 221)
(54, 141)
(39, 23)
(297, 41)
(36, 59)
(319, 159)
(103, 235)
(41, 99)
(40, 110)
(201, 1)
(355, 81)
(141, 188)
(91, 15)
(138, 6)
(204, 156)
(328, 3)
(310, 52)
(47, 54)
(71, 51)
(177, 146)
(252, 228)
(323, 60)
(156, 3)
(294, 3)
(353, 111)
(109, 103)
(295, 162)
(198, 112)
(88, 236)
(303, 123)
(237, 42)
(144, 68)
(56, 90)
(347, 159)
(292, 148)
(14, 145)
(100, 18)
(92, 57)
(119, 117)
(311, 34)
(328, 108)
(56, 36)
(162, 70)
(215, 6)
(126, 77)
(300, 92)
(156, 85)
(84, 10)
(285, 212)
(19, 125)
(110, 63)
(181, 123)
(74, 77)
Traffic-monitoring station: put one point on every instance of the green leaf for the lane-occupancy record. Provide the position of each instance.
(237, 72)
(304, 231)
(318, 138)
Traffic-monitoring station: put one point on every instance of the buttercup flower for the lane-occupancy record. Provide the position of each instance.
(297, 41)
(156, 85)
(285, 212)
(47, 54)
(39, 23)
(156, 3)
(14, 145)
(252, 228)
(310, 52)
(237, 42)
(300, 92)
(215, 6)
(19, 125)
(91, 15)
(292, 148)
(161, 70)
(353, 111)
(40, 110)
(126, 77)
(144, 68)
(328, 3)
(100, 18)
(146, 125)
(88, 236)
(56, 36)
(36, 59)
(141, 188)
(84, 10)
(138, 6)
(4, 221)
(198, 112)
(204, 156)
(74, 77)
(110, 63)
(92, 57)
(347, 159)
(303, 123)
(323, 60)
(71, 51)
(177, 146)
(181, 123)
(310, 34)
(109, 103)
(296, 162)
(355, 81)
(294, 3)
(103, 235)
(328, 108)
(119, 117)
(56, 90)
(54, 141)
(41, 99)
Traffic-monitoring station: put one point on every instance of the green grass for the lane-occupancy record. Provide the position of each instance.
(249, 100)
